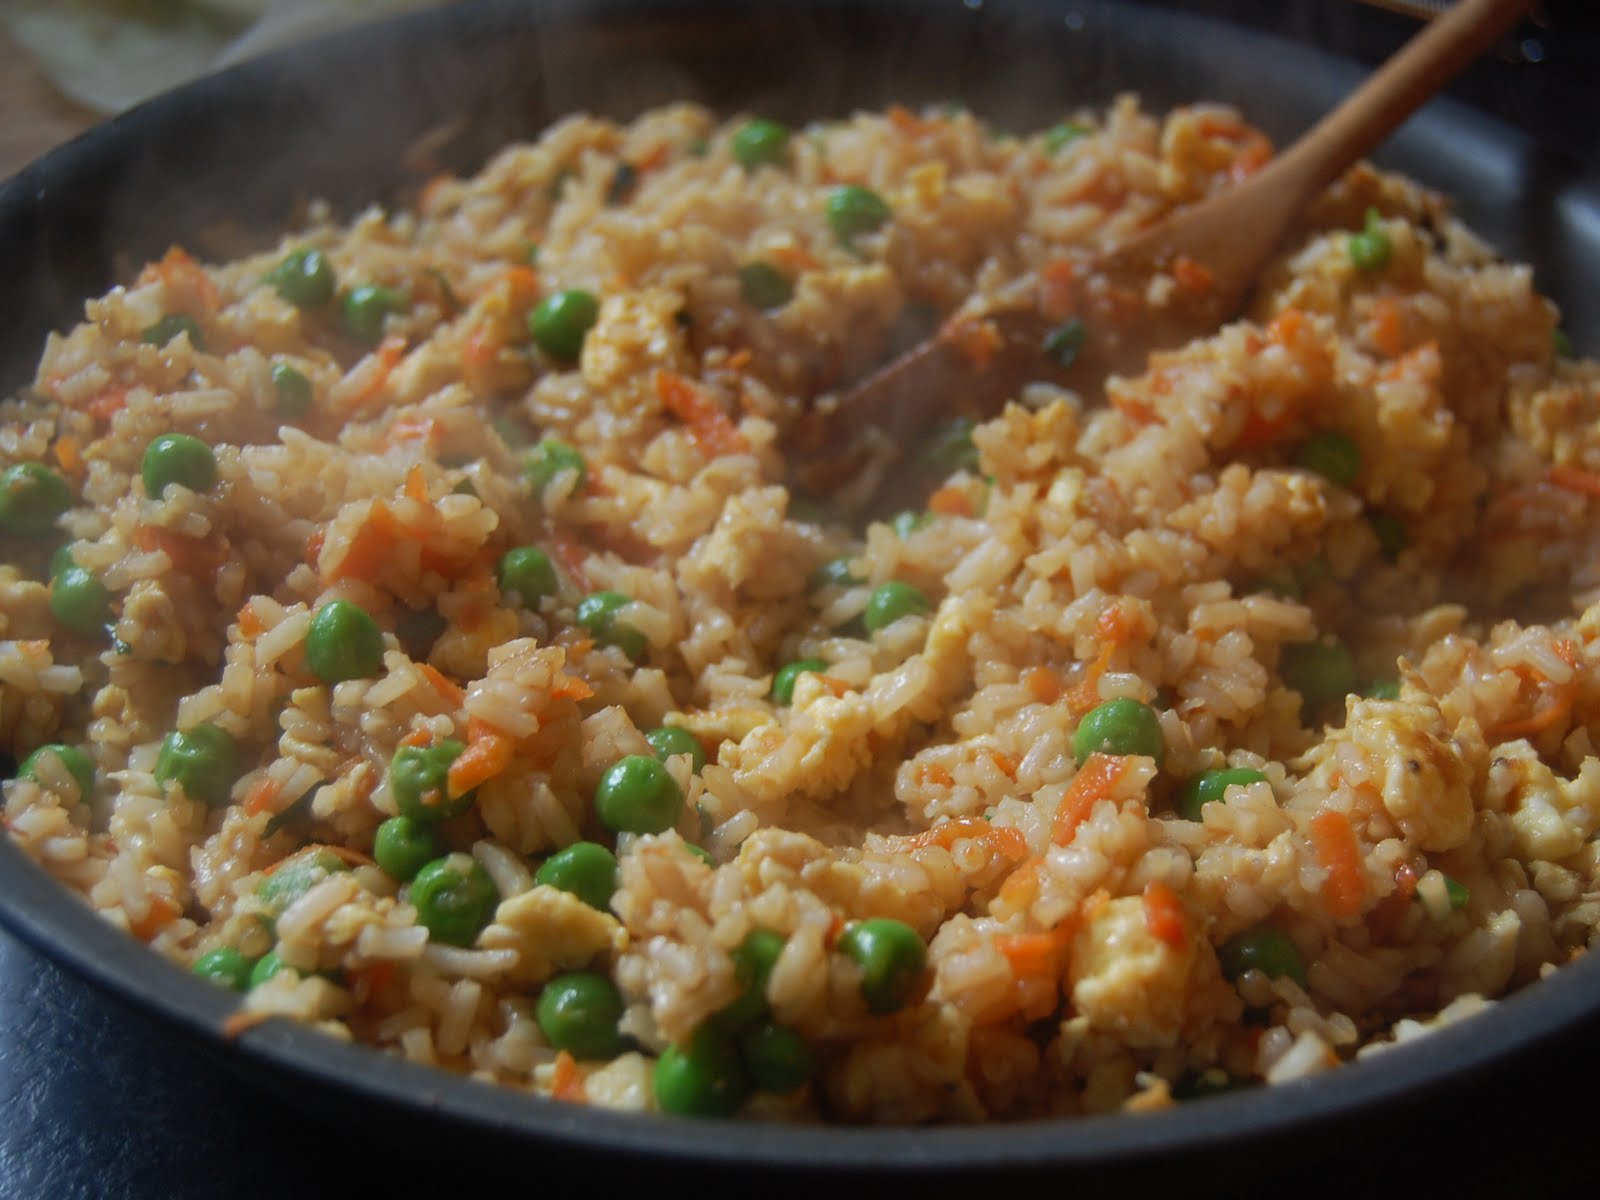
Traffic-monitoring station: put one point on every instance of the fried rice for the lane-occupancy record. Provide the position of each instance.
(1343, 548)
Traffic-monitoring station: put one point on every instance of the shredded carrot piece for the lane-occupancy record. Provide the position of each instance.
(834, 684)
(158, 914)
(1541, 720)
(386, 357)
(740, 359)
(566, 1082)
(951, 501)
(1165, 915)
(198, 557)
(1261, 429)
(935, 773)
(178, 270)
(711, 428)
(905, 121)
(1037, 955)
(976, 340)
(1021, 887)
(1003, 838)
(1254, 153)
(1057, 300)
(417, 484)
(1192, 277)
(242, 1021)
(417, 737)
(1575, 479)
(796, 258)
(1094, 781)
(69, 454)
(1086, 694)
(487, 754)
(262, 796)
(104, 405)
(371, 547)
(314, 545)
(570, 687)
(1388, 326)
(1007, 763)
(1339, 855)
(446, 687)
(656, 158)
(414, 429)
(250, 625)
(1043, 684)
(1287, 327)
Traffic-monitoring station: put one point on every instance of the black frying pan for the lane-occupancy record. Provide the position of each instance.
(342, 120)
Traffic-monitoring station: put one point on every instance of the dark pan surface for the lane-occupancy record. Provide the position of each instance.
(337, 121)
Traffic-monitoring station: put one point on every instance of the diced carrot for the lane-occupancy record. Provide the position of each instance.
(417, 484)
(1007, 763)
(1037, 955)
(566, 1081)
(371, 548)
(158, 914)
(105, 404)
(262, 796)
(796, 258)
(1165, 915)
(1286, 328)
(570, 687)
(1334, 841)
(487, 754)
(1003, 838)
(198, 557)
(250, 625)
(1094, 781)
(1192, 277)
(522, 285)
(1115, 625)
(179, 271)
(1132, 407)
(975, 339)
(314, 545)
(1388, 326)
(415, 429)
(711, 428)
(1261, 429)
(1057, 299)
(1043, 684)
(935, 773)
(834, 684)
(69, 454)
(1575, 479)
(446, 687)
(951, 501)
(1386, 914)
(417, 737)
(1021, 887)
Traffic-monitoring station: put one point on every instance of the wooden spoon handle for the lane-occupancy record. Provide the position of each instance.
(1397, 89)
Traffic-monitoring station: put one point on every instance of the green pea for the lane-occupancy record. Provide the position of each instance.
(61, 559)
(454, 898)
(80, 601)
(760, 142)
(203, 761)
(177, 458)
(268, 965)
(908, 521)
(78, 764)
(32, 496)
(528, 573)
(835, 572)
(1262, 949)
(599, 614)
(304, 278)
(1124, 726)
(951, 448)
(170, 326)
(637, 794)
(297, 875)
(226, 966)
(703, 1078)
(403, 846)
(586, 869)
(1322, 672)
(549, 459)
(1391, 534)
(578, 1012)
(1335, 456)
(1383, 689)
(1370, 249)
(763, 286)
(562, 320)
(891, 957)
(854, 210)
(784, 680)
(753, 960)
(419, 781)
(1457, 892)
(367, 308)
(777, 1058)
(674, 739)
(891, 601)
(1213, 785)
(1064, 343)
(1064, 134)
(293, 389)
(344, 642)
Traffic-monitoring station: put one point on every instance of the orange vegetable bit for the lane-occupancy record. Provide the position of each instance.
(69, 455)
(1057, 281)
(380, 365)
(976, 340)
(1165, 916)
(178, 271)
(1255, 152)
(1192, 277)
(371, 549)
(1575, 479)
(1086, 694)
(1043, 684)
(711, 428)
(197, 557)
(250, 625)
(1388, 326)
(1037, 955)
(566, 1082)
(262, 796)
(487, 754)
(1386, 914)
(106, 403)
(1021, 887)
(415, 429)
(1333, 840)
(158, 914)
(570, 687)
(951, 501)
(1000, 838)
(1094, 782)
(417, 737)
(935, 773)
(372, 979)
(447, 688)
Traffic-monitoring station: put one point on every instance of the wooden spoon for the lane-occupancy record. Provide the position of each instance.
(1226, 240)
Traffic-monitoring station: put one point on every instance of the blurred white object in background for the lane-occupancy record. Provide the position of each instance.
(110, 54)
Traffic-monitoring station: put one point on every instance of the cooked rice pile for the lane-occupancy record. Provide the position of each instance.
(1088, 945)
